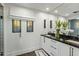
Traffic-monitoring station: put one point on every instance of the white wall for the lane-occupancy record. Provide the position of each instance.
(1, 11)
(15, 45)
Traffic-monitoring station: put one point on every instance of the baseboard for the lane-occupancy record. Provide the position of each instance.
(15, 53)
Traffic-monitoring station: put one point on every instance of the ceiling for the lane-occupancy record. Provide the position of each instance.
(64, 9)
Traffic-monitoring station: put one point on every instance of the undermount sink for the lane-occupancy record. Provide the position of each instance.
(73, 42)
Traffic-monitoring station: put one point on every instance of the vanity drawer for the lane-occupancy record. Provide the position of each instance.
(53, 47)
(53, 41)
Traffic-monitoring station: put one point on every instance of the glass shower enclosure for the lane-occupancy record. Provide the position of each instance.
(1, 30)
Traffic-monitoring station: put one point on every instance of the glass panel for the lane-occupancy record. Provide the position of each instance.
(1, 31)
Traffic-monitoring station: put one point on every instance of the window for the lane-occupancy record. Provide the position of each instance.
(16, 26)
(29, 26)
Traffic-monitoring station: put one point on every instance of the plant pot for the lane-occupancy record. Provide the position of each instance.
(57, 35)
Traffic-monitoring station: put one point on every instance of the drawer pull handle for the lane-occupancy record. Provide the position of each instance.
(53, 41)
(53, 47)
(72, 51)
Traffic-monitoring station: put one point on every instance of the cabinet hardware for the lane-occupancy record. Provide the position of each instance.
(53, 41)
(72, 51)
(53, 47)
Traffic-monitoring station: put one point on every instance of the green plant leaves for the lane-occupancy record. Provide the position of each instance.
(62, 24)
(58, 24)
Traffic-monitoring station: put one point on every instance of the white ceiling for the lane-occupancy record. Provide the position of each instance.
(64, 9)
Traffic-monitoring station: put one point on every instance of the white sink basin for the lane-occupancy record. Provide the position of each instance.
(73, 42)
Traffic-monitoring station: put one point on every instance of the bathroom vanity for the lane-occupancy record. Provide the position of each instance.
(60, 47)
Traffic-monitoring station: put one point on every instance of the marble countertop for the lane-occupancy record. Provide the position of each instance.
(69, 41)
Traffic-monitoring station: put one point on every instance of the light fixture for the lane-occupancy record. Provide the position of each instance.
(47, 9)
(56, 11)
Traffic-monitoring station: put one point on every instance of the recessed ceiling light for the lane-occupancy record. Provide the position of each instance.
(47, 9)
(56, 11)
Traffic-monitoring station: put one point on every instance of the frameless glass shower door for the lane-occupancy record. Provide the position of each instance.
(1, 30)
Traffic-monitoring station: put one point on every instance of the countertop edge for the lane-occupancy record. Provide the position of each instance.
(61, 41)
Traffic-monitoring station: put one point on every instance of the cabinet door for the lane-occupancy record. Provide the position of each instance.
(53, 48)
(42, 39)
(46, 46)
(63, 49)
(75, 51)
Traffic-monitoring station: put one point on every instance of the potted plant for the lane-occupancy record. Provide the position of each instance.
(58, 26)
(64, 25)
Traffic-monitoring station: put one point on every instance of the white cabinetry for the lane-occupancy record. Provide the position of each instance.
(63, 49)
(74, 51)
(55, 48)
(42, 41)
(50, 46)
(59, 49)
(46, 46)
